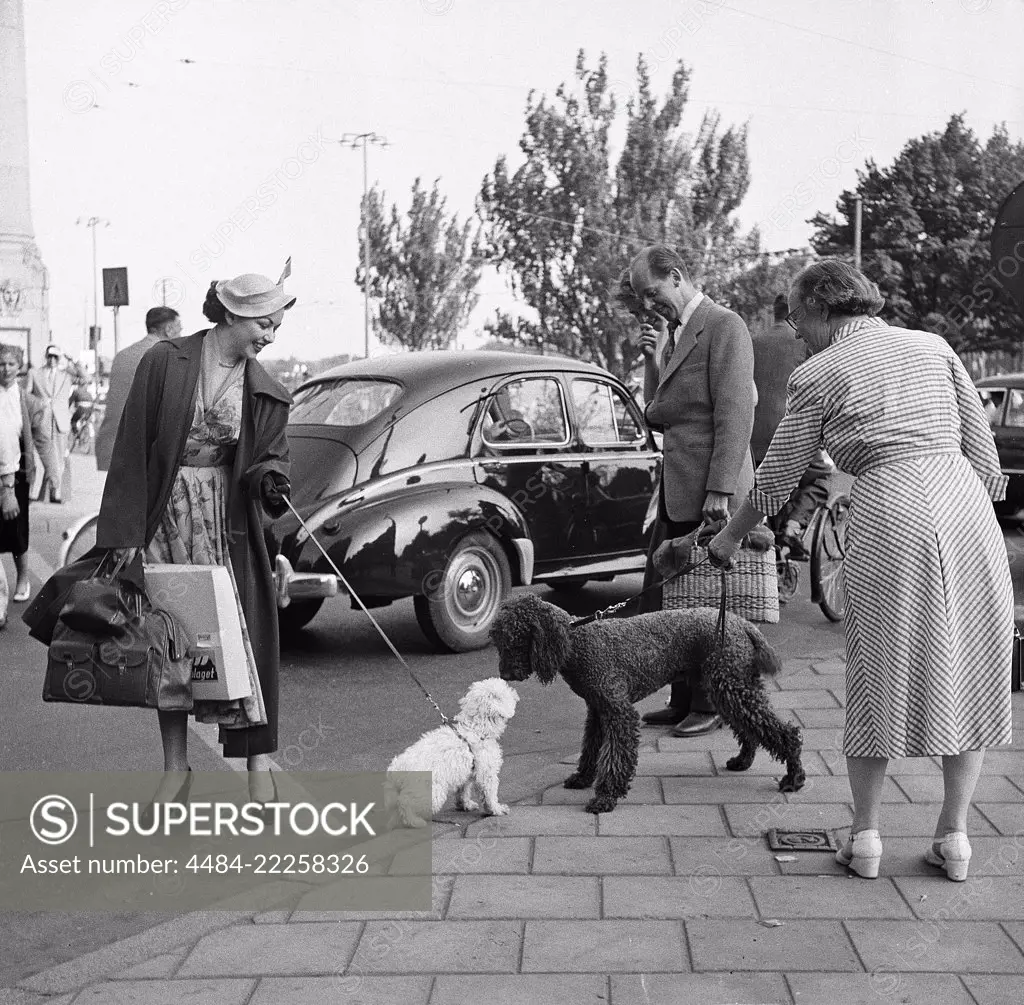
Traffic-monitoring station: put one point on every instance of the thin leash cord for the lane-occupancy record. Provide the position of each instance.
(685, 570)
(721, 614)
(600, 615)
(373, 620)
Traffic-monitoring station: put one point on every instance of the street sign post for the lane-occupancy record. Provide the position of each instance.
(115, 287)
(115, 294)
(95, 336)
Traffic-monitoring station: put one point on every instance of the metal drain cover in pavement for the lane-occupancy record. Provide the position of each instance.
(801, 841)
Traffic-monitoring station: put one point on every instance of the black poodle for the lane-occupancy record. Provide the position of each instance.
(615, 662)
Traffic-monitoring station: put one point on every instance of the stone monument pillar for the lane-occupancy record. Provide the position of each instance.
(24, 308)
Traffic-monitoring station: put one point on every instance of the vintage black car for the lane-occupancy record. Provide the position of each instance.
(452, 477)
(1003, 400)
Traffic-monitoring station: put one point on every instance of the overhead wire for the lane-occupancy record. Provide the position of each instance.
(444, 80)
(869, 48)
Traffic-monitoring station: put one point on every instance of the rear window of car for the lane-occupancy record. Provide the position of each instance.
(1015, 409)
(992, 401)
(348, 401)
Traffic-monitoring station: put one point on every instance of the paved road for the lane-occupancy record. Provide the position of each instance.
(346, 704)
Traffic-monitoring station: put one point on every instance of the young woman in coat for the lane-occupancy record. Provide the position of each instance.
(200, 457)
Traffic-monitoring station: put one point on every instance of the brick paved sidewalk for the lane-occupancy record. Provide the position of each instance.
(673, 898)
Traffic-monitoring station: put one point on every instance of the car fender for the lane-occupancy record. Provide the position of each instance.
(396, 545)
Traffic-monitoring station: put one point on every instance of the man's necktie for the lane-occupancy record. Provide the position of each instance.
(670, 347)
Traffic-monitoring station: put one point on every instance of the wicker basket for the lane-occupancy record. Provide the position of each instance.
(752, 586)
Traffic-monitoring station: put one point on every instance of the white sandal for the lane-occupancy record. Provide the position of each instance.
(953, 854)
(862, 853)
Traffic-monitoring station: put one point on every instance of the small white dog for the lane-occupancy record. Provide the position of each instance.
(460, 755)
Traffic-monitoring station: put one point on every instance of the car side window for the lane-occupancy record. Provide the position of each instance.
(526, 411)
(604, 415)
(1015, 409)
(992, 399)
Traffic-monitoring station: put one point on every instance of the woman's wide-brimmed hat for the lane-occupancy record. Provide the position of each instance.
(253, 296)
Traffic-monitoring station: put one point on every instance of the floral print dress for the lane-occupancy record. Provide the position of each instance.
(194, 527)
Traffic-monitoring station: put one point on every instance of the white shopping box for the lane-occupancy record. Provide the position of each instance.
(202, 596)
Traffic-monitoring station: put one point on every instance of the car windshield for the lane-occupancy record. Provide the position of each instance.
(347, 401)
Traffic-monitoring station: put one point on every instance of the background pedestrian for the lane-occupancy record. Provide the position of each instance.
(22, 426)
(53, 384)
(161, 323)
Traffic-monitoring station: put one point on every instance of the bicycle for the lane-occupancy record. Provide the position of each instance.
(827, 531)
(83, 427)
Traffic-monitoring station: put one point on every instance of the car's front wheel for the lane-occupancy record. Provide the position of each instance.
(457, 613)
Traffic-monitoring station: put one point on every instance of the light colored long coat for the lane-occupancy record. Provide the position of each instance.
(59, 403)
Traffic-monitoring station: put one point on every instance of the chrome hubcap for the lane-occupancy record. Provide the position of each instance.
(474, 588)
(470, 590)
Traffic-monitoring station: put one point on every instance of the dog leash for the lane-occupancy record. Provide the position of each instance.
(398, 655)
(721, 614)
(605, 611)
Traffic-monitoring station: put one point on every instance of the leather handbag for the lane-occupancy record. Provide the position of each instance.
(43, 615)
(102, 604)
(147, 665)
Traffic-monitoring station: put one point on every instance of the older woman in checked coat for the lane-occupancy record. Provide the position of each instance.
(929, 612)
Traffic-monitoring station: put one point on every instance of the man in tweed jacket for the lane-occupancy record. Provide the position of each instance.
(703, 404)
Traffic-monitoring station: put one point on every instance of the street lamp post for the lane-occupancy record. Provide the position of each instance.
(858, 209)
(354, 140)
(93, 222)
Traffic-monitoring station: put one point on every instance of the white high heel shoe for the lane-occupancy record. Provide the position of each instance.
(953, 855)
(862, 853)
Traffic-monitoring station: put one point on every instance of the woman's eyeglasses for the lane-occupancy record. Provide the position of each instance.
(790, 316)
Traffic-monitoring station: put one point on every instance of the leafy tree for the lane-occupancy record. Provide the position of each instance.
(750, 293)
(424, 269)
(927, 219)
(566, 222)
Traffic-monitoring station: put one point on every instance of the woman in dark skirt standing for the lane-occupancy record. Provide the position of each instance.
(200, 456)
(20, 427)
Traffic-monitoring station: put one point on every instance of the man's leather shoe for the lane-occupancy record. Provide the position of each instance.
(698, 723)
(668, 716)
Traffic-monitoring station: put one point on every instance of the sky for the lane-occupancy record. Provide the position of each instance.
(206, 131)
